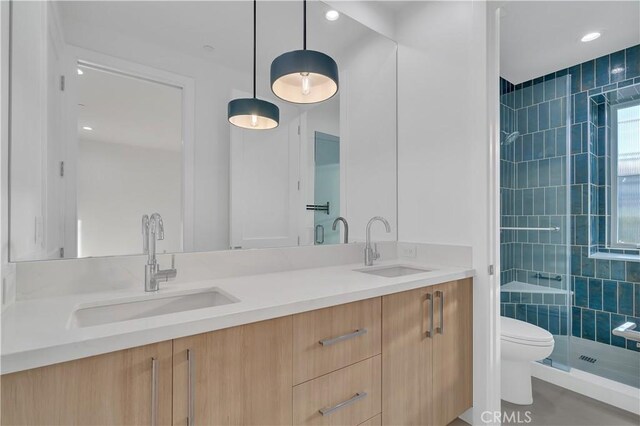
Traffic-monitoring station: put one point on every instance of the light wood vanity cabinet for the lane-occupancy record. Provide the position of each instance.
(368, 363)
(131, 386)
(427, 354)
(236, 376)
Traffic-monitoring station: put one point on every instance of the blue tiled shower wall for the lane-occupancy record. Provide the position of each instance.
(605, 292)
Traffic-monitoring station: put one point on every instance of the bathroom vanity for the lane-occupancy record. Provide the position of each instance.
(399, 352)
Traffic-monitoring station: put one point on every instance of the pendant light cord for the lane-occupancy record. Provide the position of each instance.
(255, 2)
(304, 24)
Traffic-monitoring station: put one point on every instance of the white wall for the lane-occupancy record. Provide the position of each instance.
(444, 155)
(119, 183)
(367, 132)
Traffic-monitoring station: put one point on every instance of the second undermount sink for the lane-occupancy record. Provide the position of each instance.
(393, 271)
(148, 306)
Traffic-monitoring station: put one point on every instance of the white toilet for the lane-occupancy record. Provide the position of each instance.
(521, 343)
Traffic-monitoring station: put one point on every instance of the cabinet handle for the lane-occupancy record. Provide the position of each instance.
(154, 391)
(440, 294)
(429, 333)
(333, 341)
(190, 390)
(343, 404)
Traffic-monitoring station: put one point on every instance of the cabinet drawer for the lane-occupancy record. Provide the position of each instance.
(329, 339)
(349, 396)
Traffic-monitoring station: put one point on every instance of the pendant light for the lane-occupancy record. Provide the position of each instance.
(304, 76)
(253, 113)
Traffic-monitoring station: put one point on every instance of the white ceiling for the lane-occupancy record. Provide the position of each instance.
(130, 111)
(540, 37)
(187, 26)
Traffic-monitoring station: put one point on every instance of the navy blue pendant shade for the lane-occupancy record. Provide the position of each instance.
(304, 76)
(252, 113)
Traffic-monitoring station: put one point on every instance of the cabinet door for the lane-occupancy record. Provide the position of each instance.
(131, 386)
(236, 376)
(452, 350)
(406, 358)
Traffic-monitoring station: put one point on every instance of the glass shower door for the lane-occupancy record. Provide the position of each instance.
(535, 206)
(326, 188)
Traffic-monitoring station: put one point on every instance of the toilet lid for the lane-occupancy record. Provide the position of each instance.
(520, 330)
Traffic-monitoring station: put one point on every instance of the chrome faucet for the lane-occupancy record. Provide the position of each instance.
(152, 230)
(371, 254)
(346, 227)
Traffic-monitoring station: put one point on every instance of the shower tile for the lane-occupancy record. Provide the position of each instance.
(538, 145)
(564, 320)
(527, 202)
(588, 324)
(543, 316)
(587, 264)
(625, 298)
(538, 91)
(515, 297)
(576, 138)
(580, 107)
(536, 298)
(603, 269)
(532, 174)
(633, 272)
(550, 88)
(556, 174)
(549, 143)
(581, 168)
(576, 322)
(560, 299)
(602, 71)
(617, 62)
(543, 116)
(618, 270)
(532, 119)
(581, 292)
(575, 78)
(636, 296)
(595, 293)
(554, 320)
(527, 96)
(521, 312)
(538, 201)
(616, 321)
(603, 327)
(561, 141)
(576, 199)
(588, 81)
(522, 121)
(633, 61)
(504, 296)
(550, 199)
(532, 314)
(510, 310)
(582, 230)
(610, 296)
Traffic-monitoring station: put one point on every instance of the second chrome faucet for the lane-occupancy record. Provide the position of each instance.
(152, 230)
(371, 253)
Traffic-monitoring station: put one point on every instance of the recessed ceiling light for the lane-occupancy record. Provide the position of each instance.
(87, 128)
(590, 37)
(80, 72)
(332, 15)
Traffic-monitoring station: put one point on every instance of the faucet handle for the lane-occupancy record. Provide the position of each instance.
(145, 234)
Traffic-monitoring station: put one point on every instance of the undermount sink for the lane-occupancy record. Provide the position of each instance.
(394, 271)
(148, 306)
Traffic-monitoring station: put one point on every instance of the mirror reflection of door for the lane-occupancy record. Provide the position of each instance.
(129, 161)
(327, 187)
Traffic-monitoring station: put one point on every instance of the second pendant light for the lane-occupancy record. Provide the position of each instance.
(253, 113)
(304, 76)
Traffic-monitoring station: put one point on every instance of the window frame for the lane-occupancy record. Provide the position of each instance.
(613, 176)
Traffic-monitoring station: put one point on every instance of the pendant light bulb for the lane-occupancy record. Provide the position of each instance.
(304, 76)
(306, 84)
(253, 113)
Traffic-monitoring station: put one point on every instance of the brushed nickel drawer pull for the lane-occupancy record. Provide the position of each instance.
(333, 341)
(343, 404)
(440, 330)
(429, 333)
(154, 391)
(190, 387)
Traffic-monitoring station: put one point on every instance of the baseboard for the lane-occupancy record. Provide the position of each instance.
(608, 391)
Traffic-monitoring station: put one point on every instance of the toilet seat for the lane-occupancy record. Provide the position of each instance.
(523, 333)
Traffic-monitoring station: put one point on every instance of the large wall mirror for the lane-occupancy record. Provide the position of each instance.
(119, 109)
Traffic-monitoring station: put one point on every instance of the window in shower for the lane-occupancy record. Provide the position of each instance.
(625, 177)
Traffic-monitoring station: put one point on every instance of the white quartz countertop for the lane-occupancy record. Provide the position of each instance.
(38, 332)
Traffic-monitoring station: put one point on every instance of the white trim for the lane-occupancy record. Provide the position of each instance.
(187, 84)
(608, 391)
